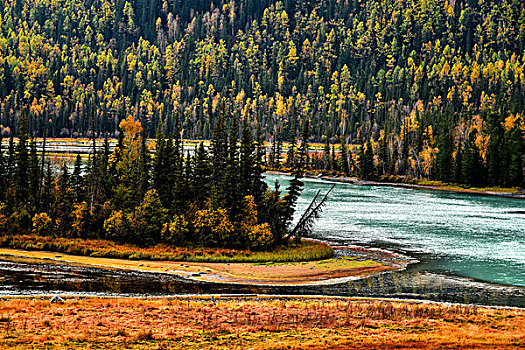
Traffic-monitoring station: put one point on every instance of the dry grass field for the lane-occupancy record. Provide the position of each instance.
(255, 323)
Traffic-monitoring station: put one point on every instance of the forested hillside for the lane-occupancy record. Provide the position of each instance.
(430, 88)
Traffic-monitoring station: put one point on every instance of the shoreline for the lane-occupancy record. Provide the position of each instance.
(356, 181)
(356, 263)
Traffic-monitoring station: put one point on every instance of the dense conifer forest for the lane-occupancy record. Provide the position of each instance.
(425, 88)
(212, 199)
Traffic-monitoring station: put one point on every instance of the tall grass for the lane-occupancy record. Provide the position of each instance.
(293, 252)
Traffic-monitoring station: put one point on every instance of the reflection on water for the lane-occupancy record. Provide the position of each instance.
(480, 237)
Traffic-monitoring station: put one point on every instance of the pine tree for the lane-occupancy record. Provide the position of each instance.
(247, 162)
(179, 188)
(458, 164)
(3, 171)
(144, 165)
(77, 180)
(473, 172)
(22, 164)
(34, 177)
(366, 160)
(345, 168)
(495, 150)
(230, 185)
(202, 176)
(514, 150)
(259, 186)
(304, 149)
(219, 153)
(445, 157)
(327, 164)
(290, 156)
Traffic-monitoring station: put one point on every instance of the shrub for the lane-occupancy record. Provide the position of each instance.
(42, 224)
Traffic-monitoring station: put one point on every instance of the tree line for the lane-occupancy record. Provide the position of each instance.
(414, 77)
(146, 194)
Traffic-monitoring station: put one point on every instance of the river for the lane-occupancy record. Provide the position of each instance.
(471, 249)
(474, 236)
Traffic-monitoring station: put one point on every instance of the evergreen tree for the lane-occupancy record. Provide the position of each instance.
(366, 161)
(77, 180)
(219, 154)
(495, 149)
(290, 156)
(445, 157)
(247, 163)
(327, 164)
(473, 172)
(3, 171)
(458, 164)
(202, 176)
(179, 188)
(304, 157)
(144, 165)
(345, 168)
(22, 164)
(259, 186)
(514, 151)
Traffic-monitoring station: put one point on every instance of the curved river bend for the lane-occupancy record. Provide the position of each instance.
(471, 250)
(479, 237)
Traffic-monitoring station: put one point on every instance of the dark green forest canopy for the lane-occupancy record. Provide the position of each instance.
(344, 64)
(423, 85)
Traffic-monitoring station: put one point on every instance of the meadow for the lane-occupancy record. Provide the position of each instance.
(255, 323)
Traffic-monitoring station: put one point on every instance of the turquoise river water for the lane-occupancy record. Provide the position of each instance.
(479, 237)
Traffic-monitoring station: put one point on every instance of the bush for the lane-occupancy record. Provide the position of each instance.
(42, 224)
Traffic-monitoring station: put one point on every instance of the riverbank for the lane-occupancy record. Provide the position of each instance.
(256, 322)
(306, 250)
(354, 263)
(420, 185)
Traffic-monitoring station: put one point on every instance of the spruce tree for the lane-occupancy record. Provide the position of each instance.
(144, 164)
(496, 150)
(22, 164)
(259, 186)
(247, 160)
(304, 149)
(77, 180)
(345, 168)
(202, 176)
(3, 171)
(445, 157)
(230, 185)
(327, 164)
(219, 151)
(34, 177)
(458, 164)
(366, 160)
(473, 172)
(290, 156)
(179, 188)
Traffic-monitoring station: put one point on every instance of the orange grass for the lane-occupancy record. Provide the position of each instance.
(299, 323)
(311, 272)
(304, 251)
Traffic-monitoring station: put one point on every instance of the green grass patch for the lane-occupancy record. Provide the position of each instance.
(293, 252)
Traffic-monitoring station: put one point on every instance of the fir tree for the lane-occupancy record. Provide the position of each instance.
(22, 164)
(202, 176)
(473, 172)
(366, 160)
(247, 162)
(345, 167)
(327, 164)
(77, 180)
